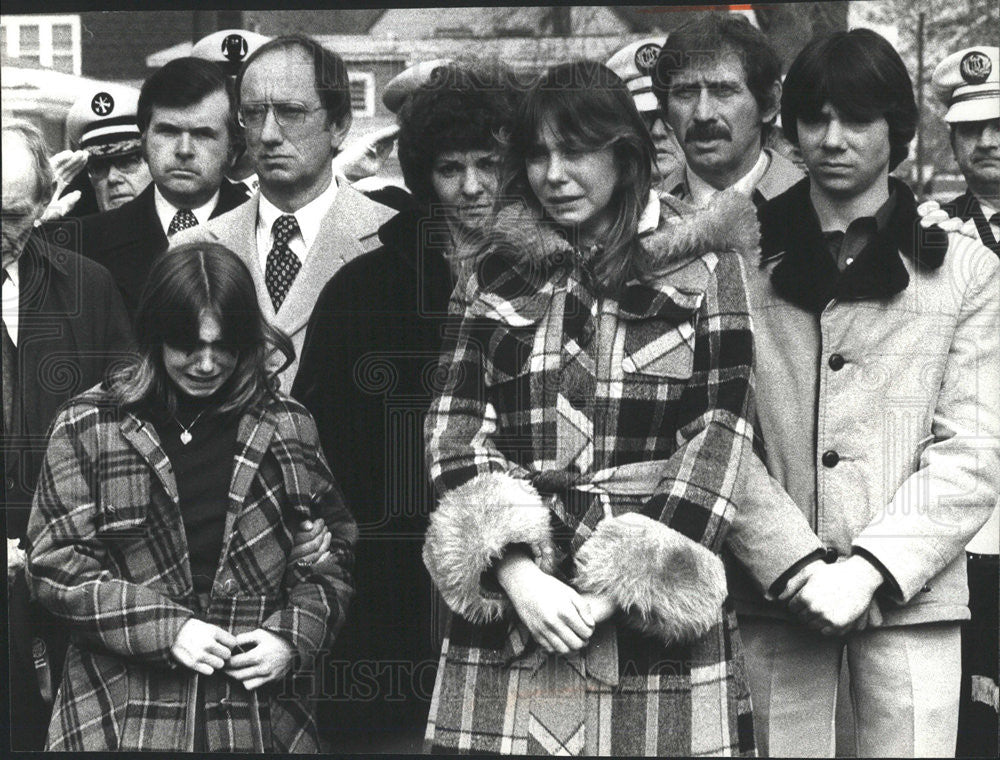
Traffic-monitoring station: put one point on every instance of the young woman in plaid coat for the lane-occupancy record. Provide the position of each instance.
(588, 445)
(162, 527)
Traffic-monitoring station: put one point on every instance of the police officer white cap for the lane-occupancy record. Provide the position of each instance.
(229, 48)
(634, 64)
(407, 81)
(968, 82)
(103, 120)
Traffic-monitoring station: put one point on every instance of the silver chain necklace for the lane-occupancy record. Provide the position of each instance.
(186, 431)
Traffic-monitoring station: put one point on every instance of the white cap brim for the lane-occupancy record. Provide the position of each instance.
(985, 105)
(645, 101)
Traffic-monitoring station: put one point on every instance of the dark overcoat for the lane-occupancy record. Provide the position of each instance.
(608, 435)
(72, 327)
(108, 554)
(966, 207)
(128, 239)
(367, 376)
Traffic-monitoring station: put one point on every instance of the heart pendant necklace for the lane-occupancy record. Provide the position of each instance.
(186, 431)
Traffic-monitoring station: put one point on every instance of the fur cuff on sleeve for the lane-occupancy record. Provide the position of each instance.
(667, 584)
(470, 529)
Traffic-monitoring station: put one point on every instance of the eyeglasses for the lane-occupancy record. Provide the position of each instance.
(252, 115)
(98, 167)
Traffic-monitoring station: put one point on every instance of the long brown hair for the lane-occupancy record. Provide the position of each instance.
(589, 106)
(183, 284)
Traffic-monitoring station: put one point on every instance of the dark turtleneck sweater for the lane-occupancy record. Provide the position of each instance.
(203, 469)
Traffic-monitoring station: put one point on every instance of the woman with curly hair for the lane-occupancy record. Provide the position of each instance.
(588, 449)
(368, 376)
(162, 527)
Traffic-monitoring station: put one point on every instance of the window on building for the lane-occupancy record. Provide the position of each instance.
(362, 93)
(52, 42)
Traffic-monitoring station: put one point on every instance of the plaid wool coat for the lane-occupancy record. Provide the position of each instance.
(608, 435)
(108, 554)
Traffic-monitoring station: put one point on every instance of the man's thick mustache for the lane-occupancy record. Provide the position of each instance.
(707, 132)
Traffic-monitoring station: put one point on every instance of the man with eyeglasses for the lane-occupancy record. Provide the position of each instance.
(187, 128)
(102, 122)
(305, 222)
(718, 82)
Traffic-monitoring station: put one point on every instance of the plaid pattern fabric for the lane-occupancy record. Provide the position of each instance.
(549, 382)
(108, 554)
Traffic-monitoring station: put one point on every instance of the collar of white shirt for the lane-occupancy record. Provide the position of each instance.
(702, 192)
(11, 291)
(309, 218)
(650, 218)
(988, 211)
(166, 210)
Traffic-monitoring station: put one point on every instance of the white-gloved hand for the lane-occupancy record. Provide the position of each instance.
(15, 558)
(65, 166)
(931, 214)
(364, 157)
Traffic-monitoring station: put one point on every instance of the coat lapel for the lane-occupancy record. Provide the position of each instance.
(142, 436)
(48, 287)
(237, 230)
(256, 429)
(349, 228)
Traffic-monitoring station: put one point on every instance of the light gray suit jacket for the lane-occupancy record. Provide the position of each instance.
(348, 230)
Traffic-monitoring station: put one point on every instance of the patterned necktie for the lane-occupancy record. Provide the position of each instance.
(282, 264)
(182, 220)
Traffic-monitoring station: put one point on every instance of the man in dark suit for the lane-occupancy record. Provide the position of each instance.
(63, 325)
(188, 127)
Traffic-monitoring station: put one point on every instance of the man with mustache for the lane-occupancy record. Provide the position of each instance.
(187, 127)
(718, 81)
(967, 82)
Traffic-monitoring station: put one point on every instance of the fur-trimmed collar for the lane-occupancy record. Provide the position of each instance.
(807, 275)
(523, 253)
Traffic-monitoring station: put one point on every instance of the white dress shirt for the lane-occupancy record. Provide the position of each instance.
(989, 211)
(702, 192)
(309, 218)
(166, 211)
(11, 293)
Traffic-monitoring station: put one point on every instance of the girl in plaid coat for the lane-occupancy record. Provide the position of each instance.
(587, 445)
(162, 526)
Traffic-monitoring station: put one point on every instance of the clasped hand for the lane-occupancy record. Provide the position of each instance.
(206, 648)
(834, 598)
(558, 617)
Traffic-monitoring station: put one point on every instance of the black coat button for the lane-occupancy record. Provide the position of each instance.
(836, 362)
(830, 458)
